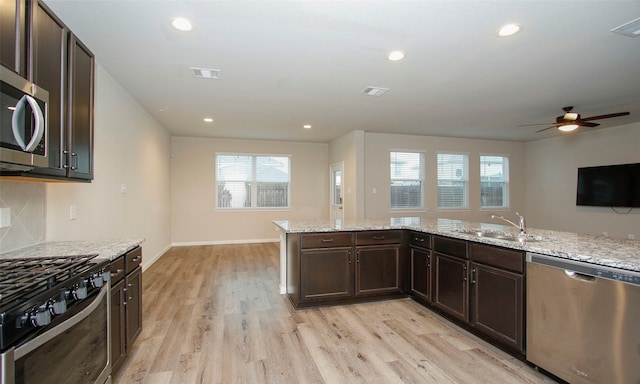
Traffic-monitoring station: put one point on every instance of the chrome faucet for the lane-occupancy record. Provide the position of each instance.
(522, 225)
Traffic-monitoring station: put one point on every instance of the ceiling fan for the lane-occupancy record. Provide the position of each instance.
(572, 120)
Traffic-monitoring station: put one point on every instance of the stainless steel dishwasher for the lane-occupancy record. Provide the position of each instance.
(583, 320)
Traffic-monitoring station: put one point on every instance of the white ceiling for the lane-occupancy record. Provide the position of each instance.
(289, 63)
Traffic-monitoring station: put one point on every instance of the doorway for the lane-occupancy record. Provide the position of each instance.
(336, 204)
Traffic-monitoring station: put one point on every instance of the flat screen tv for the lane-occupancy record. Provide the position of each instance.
(609, 186)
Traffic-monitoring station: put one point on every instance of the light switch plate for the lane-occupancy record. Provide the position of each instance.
(5, 217)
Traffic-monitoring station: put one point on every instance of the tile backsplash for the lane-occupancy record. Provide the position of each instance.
(26, 201)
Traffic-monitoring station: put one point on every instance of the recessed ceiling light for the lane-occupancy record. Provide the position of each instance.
(509, 30)
(181, 24)
(208, 120)
(396, 55)
(307, 126)
(164, 108)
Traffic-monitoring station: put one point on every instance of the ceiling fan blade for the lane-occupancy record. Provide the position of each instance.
(544, 129)
(610, 115)
(587, 124)
(531, 125)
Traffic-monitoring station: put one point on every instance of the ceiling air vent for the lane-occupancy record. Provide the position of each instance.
(631, 29)
(205, 73)
(374, 91)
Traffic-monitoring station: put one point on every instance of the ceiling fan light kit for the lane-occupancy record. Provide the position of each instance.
(570, 121)
(568, 127)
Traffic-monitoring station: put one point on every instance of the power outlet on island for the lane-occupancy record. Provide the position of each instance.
(73, 212)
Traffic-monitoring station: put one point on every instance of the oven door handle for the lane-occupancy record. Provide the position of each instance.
(64, 326)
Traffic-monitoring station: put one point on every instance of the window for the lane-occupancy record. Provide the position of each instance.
(407, 179)
(453, 180)
(247, 181)
(494, 181)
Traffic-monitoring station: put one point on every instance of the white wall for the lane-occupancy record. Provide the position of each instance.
(132, 149)
(349, 149)
(378, 146)
(551, 169)
(195, 217)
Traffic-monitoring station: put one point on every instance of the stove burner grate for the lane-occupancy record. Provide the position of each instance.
(21, 278)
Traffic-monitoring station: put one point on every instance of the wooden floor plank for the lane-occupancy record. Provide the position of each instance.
(213, 314)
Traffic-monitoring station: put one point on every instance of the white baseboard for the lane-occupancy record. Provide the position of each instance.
(223, 242)
(148, 261)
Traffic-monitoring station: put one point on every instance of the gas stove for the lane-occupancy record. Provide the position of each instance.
(35, 292)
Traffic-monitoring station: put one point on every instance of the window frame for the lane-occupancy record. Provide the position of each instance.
(421, 178)
(253, 182)
(506, 184)
(465, 180)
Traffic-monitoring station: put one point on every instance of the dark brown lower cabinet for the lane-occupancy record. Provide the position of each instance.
(328, 273)
(126, 304)
(377, 269)
(497, 294)
(450, 286)
(497, 304)
(338, 267)
(421, 273)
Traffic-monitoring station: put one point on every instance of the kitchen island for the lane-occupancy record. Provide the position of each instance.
(474, 274)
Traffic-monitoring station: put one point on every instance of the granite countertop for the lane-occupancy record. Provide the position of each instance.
(106, 249)
(605, 251)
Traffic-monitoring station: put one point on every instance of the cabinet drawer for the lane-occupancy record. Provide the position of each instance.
(325, 240)
(378, 237)
(498, 257)
(451, 247)
(132, 260)
(116, 269)
(420, 239)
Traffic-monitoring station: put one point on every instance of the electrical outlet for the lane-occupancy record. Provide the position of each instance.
(123, 188)
(631, 236)
(5, 217)
(73, 212)
(605, 234)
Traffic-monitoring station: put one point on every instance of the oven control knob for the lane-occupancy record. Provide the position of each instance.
(79, 292)
(40, 316)
(96, 280)
(58, 306)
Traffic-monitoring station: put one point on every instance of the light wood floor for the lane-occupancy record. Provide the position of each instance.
(213, 314)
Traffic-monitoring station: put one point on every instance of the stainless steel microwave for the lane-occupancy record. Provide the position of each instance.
(23, 123)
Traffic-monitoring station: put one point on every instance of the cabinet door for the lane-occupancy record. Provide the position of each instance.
(49, 49)
(81, 73)
(118, 343)
(326, 273)
(133, 300)
(497, 306)
(450, 286)
(13, 27)
(378, 269)
(421, 273)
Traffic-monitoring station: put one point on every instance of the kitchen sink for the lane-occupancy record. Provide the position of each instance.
(507, 236)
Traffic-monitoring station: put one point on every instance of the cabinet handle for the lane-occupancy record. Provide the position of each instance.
(378, 237)
(420, 239)
(326, 240)
(135, 259)
(464, 273)
(357, 256)
(117, 272)
(65, 165)
(349, 257)
(473, 275)
(74, 155)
